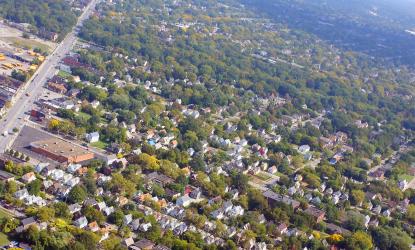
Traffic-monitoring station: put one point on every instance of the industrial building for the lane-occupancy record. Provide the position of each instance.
(61, 151)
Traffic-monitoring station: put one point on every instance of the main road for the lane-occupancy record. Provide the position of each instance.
(31, 91)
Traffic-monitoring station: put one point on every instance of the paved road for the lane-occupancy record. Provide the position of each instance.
(15, 116)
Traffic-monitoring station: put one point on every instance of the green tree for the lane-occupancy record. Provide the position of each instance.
(387, 238)
(77, 194)
(34, 187)
(410, 213)
(360, 241)
(357, 196)
(46, 214)
(62, 210)
(92, 214)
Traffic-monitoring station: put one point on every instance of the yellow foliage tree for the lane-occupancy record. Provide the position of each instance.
(335, 238)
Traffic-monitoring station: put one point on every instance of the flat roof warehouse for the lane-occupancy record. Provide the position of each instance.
(61, 151)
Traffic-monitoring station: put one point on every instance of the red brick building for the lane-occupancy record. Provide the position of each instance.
(61, 151)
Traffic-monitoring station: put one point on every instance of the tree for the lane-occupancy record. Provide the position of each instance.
(117, 217)
(256, 201)
(410, 213)
(88, 239)
(53, 124)
(34, 187)
(240, 181)
(112, 243)
(158, 191)
(92, 214)
(46, 214)
(62, 210)
(8, 225)
(357, 196)
(355, 221)
(19, 75)
(32, 234)
(387, 238)
(360, 241)
(247, 236)
(122, 185)
(77, 194)
(147, 162)
(335, 239)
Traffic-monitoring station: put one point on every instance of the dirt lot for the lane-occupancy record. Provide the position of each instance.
(13, 44)
(15, 37)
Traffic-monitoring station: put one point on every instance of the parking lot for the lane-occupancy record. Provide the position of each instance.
(28, 135)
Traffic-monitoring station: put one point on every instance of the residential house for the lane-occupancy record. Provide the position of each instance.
(127, 219)
(81, 222)
(21, 194)
(144, 227)
(92, 137)
(316, 213)
(72, 168)
(159, 179)
(93, 226)
(74, 208)
(127, 242)
(27, 222)
(28, 177)
(135, 224)
(143, 244)
(282, 228)
(274, 198)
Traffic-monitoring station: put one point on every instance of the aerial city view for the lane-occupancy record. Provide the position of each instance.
(207, 124)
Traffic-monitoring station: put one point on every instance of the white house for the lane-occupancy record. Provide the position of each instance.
(39, 167)
(21, 194)
(81, 222)
(303, 149)
(145, 227)
(184, 201)
(108, 210)
(135, 224)
(402, 184)
(217, 214)
(72, 182)
(92, 137)
(127, 219)
(74, 208)
(57, 174)
(73, 167)
(236, 211)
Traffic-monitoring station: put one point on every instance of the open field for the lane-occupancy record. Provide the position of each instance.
(99, 144)
(14, 36)
(26, 43)
(406, 177)
(4, 240)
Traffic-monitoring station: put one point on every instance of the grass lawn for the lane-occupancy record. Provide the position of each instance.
(27, 44)
(5, 213)
(4, 239)
(262, 176)
(63, 74)
(84, 115)
(406, 177)
(99, 144)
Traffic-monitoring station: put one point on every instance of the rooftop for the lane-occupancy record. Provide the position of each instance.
(60, 147)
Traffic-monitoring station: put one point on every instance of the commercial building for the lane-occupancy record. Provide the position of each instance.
(61, 151)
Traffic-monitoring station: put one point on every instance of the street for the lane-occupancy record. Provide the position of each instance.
(15, 116)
